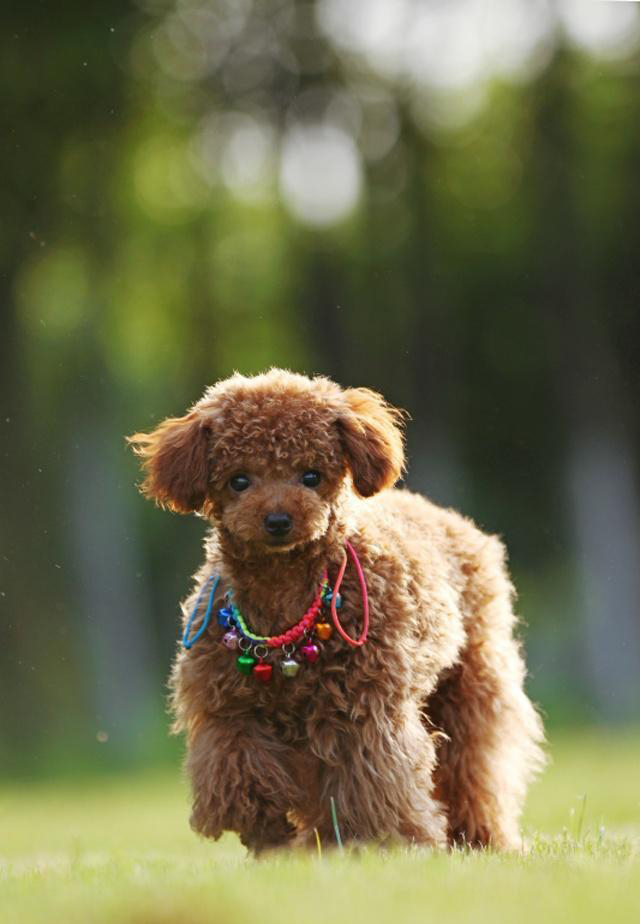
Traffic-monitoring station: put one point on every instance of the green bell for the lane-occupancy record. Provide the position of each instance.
(244, 663)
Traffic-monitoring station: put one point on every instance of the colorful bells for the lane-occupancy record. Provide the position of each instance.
(225, 615)
(230, 640)
(328, 596)
(245, 663)
(289, 667)
(263, 672)
(323, 631)
(296, 647)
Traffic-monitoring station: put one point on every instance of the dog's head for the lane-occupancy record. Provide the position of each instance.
(268, 457)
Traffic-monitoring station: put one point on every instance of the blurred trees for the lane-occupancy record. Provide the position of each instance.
(197, 187)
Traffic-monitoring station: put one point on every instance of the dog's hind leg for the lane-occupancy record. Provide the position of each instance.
(493, 734)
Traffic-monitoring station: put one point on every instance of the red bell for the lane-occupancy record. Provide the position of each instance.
(263, 672)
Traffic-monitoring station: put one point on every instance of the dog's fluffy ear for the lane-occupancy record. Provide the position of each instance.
(371, 436)
(175, 460)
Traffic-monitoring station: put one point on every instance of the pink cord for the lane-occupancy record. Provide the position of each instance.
(365, 600)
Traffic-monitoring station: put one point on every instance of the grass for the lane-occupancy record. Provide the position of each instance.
(121, 851)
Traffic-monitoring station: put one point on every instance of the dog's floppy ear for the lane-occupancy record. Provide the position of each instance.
(175, 460)
(371, 436)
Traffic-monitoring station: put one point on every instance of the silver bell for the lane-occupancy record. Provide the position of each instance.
(289, 667)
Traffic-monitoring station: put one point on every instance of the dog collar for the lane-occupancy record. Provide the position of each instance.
(302, 643)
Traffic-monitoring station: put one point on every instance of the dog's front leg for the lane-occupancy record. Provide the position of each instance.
(240, 782)
(378, 771)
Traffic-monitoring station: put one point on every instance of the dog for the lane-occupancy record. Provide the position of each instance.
(391, 708)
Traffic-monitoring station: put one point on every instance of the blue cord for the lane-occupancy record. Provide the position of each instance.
(186, 641)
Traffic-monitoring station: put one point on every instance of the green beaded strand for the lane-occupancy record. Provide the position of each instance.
(245, 629)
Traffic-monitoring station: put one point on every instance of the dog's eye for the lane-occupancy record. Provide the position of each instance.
(239, 482)
(311, 479)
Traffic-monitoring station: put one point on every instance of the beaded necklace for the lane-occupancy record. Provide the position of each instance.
(301, 641)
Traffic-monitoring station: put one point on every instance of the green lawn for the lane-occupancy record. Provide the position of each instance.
(121, 851)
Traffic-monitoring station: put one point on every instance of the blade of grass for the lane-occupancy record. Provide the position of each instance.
(334, 820)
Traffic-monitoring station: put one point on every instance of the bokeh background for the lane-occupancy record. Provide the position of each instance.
(436, 199)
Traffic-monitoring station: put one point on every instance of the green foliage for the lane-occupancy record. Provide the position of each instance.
(485, 280)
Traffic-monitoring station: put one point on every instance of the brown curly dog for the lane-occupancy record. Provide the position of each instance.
(424, 733)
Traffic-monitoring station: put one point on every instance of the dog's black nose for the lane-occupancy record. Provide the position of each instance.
(277, 524)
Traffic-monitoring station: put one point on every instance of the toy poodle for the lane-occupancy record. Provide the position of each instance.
(348, 659)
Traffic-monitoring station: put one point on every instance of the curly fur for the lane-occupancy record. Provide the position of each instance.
(425, 734)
